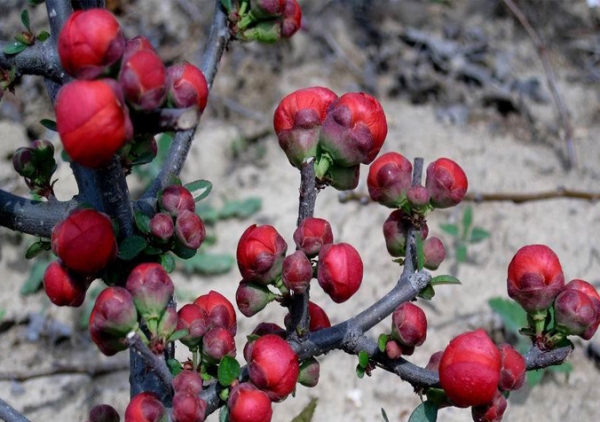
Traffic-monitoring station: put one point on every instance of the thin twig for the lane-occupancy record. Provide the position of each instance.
(9, 414)
(39, 59)
(550, 77)
(155, 363)
(92, 369)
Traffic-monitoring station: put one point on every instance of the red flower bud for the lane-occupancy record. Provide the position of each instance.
(103, 413)
(535, 277)
(188, 382)
(139, 43)
(175, 199)
(434, 361)
(194, 319)
(342, 178)
(251, 298)
(297, 272)
(167, 324)
(434, 252)
(470, 369)
(219, 310)
(446, 182)
(188, 408)
(151, 289)
(143, 77)
(512, 371)
(354, 129)
(247, 403)
(90, 42)
(310, 371)
(262, 329)
(216, 344)
(592, 293)
(187, 86)
(162, 227)
(298, 119)
(189, 229)
(390, 176)
(393, 350)
(145, 407)
(292, 18)
(491, 412)
(574, 312)
(24, 162)
(318, 317)
(92, 121)
(340, 271)
(312, 234)
(395, 230)
(112, 318)
(273, 366)
(63, 287)
(260, 254)
(409, 325)
(418, 197)
(85, 241)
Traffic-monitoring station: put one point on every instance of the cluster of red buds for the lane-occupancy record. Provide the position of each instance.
(266, 21)
(537, 283)
(116, 80)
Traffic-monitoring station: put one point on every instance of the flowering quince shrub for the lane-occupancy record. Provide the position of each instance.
(113, 96)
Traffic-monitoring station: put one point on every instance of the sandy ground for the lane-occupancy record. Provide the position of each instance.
(494, 160)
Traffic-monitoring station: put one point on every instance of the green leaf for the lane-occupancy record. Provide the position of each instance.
(25, 19)
(43, 36)
(36, 276)
(564, 367)
(142, 222)
(363, 359)
(199, 189)
(478, 234)
(420, 253)
(229, 370)
(382, 341)
(178, 334)
(444, 279)
(209, 263)
(37, 248)
(90, 301)
(174, 366)
(240, 209)
(131, 247)
(451, 229)
(226, 5)
(427, 292)
(461, 252)
(152, 250)
(425, 412)
(360, 371)
(49, 124)
(183, 252)
(467, 220)
(535, 377)
(224, 414)
(168, 262)
(513, 316)
(384, 415)
(14, 47)
(306, 415)
(24, 38)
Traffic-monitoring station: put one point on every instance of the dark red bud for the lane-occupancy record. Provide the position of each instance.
(219, 310)
(389, 179)
(217, 343)
(312, 234)
(409, 325)
(434, 252)
(195, 320)
(143, 79)
(103, 413)
(189, 229)
(260, 254)
(162, 227)
(146, 407)
(151, 289)
(491, 412)
(188, 381)
(247, 403)
(188, 408)
(175, 199)
(297, 272)
(252, 298)
(512, 372)
(310, 370)
(187, 86)
(340, 271)
(446, 182)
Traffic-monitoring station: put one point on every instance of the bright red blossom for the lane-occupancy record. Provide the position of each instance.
(219, 310)
(389, 179)
(247, 403)
(340, 271)
(260, 254)
(145, 407)
(62, 287)
(446, 182)
(187, 86)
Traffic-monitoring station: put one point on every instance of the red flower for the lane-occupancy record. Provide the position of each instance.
(219, 310)
(340, 271)
(409, 325)
(175, 198)
(188, 407)
(574, 312)
(247, 403)
(297, 272)
(90, 42)
(512, 372)
(592, 293)
(312, 234)
(535, 277)
(188, 381)
(189, 229)
(216, 344)
(260, 254)
(491, 412)
(470, 369)
(85, 241)
(318, 317)
(252, 298)
(187, 86)
(390, 177)
(145, 407)
(292, 18)
(62, 287)
(446, 182)
(434, 252)
(143, 79)
(151, 289)
(195, 320)
(92, 121)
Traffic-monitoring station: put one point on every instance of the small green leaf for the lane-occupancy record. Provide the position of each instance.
(444, 279)
(43, 36)
(226, 5)
(420, 253)
(467, 220)
(425, 412)
(461, 252)
(240, 209)
(183, 252)
(199, 189)
(174, 366)
(513, 316)
(49, 124)
(24, 38)
(535, 377)
(382, 341)
(224, 414)
(427, 292)
(451, 229)
(360, 371)
(209, 263)
(363, 359)
(14, 47)
(36, 276)
(178, 334)
(229, 370)
(564, 367)
(478, 234)
(131, 247)
(173, 179)
(385, 416)
(37, 248)
(152, 250)
(306, 415)
(168, 262)
(25, 19)
(142, 222)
